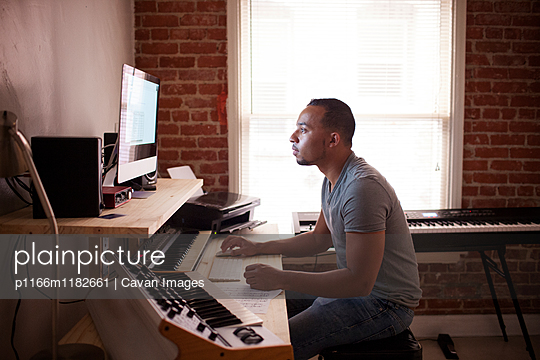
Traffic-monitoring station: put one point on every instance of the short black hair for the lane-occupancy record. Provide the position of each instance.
(338, 116)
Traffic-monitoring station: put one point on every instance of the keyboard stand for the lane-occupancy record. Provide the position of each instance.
(489, 264)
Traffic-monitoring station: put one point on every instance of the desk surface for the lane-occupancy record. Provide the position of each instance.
(141, 216)
(276, 317)
(84, 332)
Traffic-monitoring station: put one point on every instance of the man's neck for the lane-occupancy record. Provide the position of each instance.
(332, 169)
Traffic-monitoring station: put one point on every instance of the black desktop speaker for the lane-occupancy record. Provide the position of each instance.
(70, 169)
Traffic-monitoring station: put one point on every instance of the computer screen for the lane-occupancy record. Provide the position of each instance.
(137, 140)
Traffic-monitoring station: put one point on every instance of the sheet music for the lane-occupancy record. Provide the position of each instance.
(256, 301)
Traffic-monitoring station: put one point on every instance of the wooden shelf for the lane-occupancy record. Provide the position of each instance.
(140, 216)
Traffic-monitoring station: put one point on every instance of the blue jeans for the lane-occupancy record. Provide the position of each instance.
(331, 322)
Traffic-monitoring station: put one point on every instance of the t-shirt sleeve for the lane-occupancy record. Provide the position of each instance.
(366, 206)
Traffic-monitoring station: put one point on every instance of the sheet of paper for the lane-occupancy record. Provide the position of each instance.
(184, 172)
(256, 301)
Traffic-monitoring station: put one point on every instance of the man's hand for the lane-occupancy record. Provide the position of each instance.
(263, 277)
(243, 246)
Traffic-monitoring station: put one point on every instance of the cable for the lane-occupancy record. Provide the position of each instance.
(16, 192)
(21, 183)
(135, 186)
(14, 321)
(71, 302)
(108, 168)
(13, 326)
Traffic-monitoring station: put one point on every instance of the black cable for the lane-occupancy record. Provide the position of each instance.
(22, 184)
(13, 326)
(12, 187)
(135, 186)
(70, 302)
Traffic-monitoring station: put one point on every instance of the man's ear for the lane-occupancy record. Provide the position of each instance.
(335, 139)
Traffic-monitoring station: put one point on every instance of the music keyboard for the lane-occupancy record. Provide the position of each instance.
(473, 220)
(182, 251)
(201, 320)
(479, 230)
(214, 305)
(472, 229)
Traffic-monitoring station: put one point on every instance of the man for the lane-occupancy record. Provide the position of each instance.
(372, 293)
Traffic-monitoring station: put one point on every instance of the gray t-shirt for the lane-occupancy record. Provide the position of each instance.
(363, 201)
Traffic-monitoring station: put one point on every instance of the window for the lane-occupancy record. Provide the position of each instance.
(397, 63)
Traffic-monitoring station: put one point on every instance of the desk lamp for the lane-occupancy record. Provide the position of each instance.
(15, 153)
(11, 162)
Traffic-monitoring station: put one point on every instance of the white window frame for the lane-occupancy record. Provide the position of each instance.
(234, 105)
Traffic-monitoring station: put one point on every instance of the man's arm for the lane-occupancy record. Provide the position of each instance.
(364, 257)
(306, 244)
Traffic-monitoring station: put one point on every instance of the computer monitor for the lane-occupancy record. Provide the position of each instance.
(137, 133)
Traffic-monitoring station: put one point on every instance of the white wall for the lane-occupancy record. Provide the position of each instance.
(60, 72)
(60, 63)
(60, 67)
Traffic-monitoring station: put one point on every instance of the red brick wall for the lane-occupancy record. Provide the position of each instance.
(461, 288)
(184, 43)
(501, 166)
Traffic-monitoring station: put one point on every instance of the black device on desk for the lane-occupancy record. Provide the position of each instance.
(70, 170)
(218, 211)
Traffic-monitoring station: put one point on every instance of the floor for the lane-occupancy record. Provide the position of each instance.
(480, 348)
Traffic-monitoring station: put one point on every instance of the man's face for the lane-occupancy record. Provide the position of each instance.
(309, 138)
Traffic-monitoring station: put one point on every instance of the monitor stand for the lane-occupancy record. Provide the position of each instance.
(144, 182)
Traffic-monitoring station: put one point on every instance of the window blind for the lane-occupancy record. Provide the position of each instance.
(390, 61)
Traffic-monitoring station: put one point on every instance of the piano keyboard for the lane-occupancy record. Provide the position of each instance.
(182, 251)
(473, 220)
(214, 305)
(470, 226)
(130, 327)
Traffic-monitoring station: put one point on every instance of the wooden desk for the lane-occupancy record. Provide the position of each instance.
(84, 332)
(142, 216)
(276, 317)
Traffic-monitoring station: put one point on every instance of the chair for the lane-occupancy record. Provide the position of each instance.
(402, 346)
